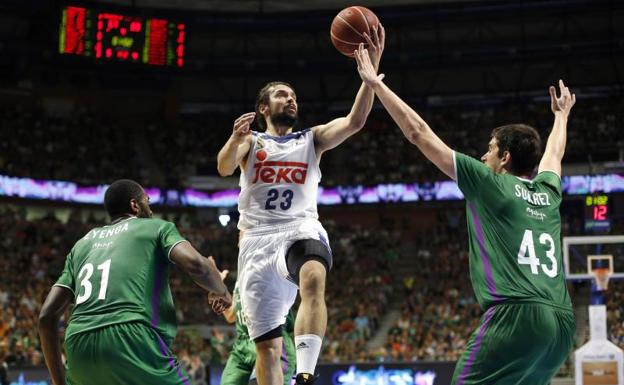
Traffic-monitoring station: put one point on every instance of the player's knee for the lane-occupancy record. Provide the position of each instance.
(312, 279)
(269, 350)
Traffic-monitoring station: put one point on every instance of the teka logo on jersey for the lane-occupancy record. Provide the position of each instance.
(280, 172)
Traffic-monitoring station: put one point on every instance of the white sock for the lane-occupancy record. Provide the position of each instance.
(308, 347)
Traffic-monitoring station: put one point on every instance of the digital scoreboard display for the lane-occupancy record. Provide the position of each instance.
(597, 213)
(117, 37)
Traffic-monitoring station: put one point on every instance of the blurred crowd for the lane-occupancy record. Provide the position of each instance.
(79, 147)
(422, 276)
(615, 315)
(439, 311)
(82, 146)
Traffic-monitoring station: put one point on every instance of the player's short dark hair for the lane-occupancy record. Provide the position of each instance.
(523, 143)
(118, 195)
(263, 98)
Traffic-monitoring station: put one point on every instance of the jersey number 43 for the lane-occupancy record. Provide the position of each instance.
(528, 247)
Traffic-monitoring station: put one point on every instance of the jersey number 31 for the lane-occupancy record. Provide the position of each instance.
(528, 247)
(85, 274)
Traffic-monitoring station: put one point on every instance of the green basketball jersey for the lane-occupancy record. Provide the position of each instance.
(120, 273)
(241, 325)
(514, 235)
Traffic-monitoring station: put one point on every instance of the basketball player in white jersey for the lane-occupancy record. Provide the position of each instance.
(283, 245)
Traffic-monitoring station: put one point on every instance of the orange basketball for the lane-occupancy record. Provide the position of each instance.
(349, 26)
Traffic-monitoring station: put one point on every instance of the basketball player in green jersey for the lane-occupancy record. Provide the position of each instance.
(514, 229)
(239, 369)
(123, 321)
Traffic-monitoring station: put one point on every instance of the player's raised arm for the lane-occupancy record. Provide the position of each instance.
(203, 271)
(330, 135)
(51, 311)
(555, 146)
(413, 126)
(236, 148)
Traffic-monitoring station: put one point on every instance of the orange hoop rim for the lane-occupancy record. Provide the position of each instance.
(601, 276)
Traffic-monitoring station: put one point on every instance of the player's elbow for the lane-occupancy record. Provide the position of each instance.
(223, 170)
(414, 136)
(415, 131)
(46, 318)
(356, 123)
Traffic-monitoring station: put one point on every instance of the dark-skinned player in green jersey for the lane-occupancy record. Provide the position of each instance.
(514, 230)
(123, 321)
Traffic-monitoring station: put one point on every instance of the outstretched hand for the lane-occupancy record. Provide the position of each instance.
(564, 103)
(365, 67)
(242, 126)
(376, 44)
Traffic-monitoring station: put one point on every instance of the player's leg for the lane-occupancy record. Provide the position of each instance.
(268, 363)
(311, 321)
(561, 327)
(289, 357)
(470, 366)
(309, 260)
(266, 297)
(514, 344)
(240, 364)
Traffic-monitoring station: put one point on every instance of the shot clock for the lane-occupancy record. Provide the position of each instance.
(597, 213)
(117, 37)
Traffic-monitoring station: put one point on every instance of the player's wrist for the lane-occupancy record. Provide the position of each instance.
(376, 84)
(562, 114)
(224, 292)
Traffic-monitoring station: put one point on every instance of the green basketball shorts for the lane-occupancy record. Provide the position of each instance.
(517, 343)
(122, 354)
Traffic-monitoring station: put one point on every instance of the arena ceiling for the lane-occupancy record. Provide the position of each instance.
(268, 5)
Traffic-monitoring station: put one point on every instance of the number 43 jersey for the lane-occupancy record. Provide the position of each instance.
(279, 182)
(120, 273)
(514, 235)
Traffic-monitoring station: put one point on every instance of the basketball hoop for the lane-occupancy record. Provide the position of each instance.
(601, 277)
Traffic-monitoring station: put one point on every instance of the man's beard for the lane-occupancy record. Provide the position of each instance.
(282, 119)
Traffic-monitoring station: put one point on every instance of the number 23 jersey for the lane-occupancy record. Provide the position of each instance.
(279, 182)
(514, 235)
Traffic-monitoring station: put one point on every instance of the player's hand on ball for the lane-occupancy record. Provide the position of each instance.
(365, 67)
(242, 126)
(376, 44)
(564, 103)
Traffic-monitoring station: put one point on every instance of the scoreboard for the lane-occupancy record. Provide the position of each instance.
(597, 212)
(117, 37)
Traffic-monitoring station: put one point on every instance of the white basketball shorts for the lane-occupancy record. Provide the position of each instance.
(266, 291)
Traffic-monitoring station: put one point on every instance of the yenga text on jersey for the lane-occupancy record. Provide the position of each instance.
(280, 172)
(537, 199)
(105, 233)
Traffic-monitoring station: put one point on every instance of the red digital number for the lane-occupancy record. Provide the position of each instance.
(600, 213)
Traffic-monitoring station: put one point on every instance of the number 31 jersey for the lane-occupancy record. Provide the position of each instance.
(514, 235)
(279, 183)
(120, 273)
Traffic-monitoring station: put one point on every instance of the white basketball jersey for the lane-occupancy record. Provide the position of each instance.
(280, 181)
